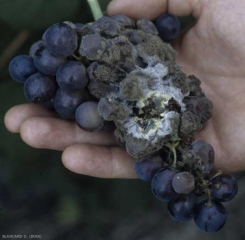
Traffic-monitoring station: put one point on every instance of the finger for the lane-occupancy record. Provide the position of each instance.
(96, 161)
(18, 114)
(58, 134)
(152, 9)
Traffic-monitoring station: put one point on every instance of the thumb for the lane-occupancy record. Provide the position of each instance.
(151, 9)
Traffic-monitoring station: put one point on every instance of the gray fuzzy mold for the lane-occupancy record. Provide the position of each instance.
(140, 87)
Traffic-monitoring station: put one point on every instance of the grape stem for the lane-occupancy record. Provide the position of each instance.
(216, 174)
(172, 147)
(95, 9)
(76, 57)
(209, 203)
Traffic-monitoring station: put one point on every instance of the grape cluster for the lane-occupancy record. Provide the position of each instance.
(117, 73)
(55, 76)
(181, 181)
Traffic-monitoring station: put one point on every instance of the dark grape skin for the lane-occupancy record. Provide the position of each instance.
(34, 47)
(39, 88)
(21, 67)
(66, 102)
(210, 219)
(161, 184)
(224, 188)
(88, 118)
(184, 207)
(61, 39)
(46, 62)
(72, 76)
(147, 167)
(168, 26)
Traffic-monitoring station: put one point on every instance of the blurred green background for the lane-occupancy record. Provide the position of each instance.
(39, 196)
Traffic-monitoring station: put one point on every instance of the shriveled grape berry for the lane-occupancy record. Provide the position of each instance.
(201, 155)
(147, 26)
(123, 21)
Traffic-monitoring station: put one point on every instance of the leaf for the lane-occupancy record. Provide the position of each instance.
(38, 14)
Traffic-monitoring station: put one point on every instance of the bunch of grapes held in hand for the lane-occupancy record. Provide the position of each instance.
(117, 73)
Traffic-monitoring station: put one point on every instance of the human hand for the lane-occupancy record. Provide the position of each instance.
(212, 50)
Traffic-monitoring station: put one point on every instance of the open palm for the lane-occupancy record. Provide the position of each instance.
(213, 50)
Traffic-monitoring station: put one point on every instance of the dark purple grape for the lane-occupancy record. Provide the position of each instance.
(146, 168)
(72, 76)
(210, 218)
(184, 207)
(224, 188)
(124, 21)
(61, 40)
(21, 67)
(168, 26)
(183, 182)
(66, 102)
(88, 118)
(147, 26)
(92, 46)
(161, 184)
(202, 155)
(46, 62)
(35, 46)
(39, 88)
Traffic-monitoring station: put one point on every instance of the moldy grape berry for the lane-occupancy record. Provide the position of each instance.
(117, 73)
